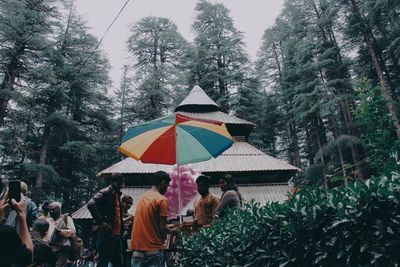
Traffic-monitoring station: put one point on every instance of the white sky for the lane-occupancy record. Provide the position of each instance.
(251, 17)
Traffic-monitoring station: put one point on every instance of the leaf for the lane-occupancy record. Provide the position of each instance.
(318, 259)
(283, 264)
(336, 223)
(363, 247)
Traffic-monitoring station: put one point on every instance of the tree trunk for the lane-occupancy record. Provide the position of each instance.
(42, 160)
(122, 109)
(26, 135)
(309, 145)
(294, 146)
(322, 158)
(321, 140)
(222, 87)
(336, 135)
(278, 64)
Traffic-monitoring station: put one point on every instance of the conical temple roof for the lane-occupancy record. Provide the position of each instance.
(197, 101)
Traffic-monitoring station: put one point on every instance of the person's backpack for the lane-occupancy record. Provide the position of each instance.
(75, 251)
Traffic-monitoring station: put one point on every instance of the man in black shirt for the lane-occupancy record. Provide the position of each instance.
(106, 209)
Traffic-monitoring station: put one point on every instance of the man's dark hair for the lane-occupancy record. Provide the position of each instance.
(126, 198)
(229, 178)
(45, 206)
(203, 179)
(160, 177)
(232, 185)
(41, 226)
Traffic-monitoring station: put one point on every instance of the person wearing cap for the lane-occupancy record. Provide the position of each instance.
(106, 209)
(206, 206)
(61, 228)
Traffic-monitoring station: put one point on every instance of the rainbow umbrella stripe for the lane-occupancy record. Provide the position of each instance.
(176, 139)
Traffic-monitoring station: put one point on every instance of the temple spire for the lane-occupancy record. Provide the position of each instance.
(197, 101)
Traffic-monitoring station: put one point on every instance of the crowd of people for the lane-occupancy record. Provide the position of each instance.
(120, 239)
(30, 238)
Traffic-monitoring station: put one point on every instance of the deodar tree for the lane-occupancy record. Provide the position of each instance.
(158, 51)
(219, 63)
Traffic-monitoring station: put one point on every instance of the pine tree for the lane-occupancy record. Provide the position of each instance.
(159, 52)
(72, 97)
(24, 28)
(219, 61)
(360, 28)
(124, 99)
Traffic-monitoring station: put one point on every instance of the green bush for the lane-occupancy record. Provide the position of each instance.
(358, 225)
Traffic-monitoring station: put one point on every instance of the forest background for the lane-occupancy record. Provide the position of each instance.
(323, 89)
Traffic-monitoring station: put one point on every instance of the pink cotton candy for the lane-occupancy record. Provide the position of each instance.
(187, 178)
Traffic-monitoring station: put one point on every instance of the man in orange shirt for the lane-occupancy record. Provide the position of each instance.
(205, 207)
(150, 225)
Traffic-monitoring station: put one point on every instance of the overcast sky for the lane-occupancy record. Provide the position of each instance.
(251, 17)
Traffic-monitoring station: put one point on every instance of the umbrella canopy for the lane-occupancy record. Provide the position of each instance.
(176, 139)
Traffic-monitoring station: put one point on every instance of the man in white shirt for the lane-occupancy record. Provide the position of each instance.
(61, 228)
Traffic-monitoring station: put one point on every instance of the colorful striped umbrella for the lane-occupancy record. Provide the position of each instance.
(176, 139)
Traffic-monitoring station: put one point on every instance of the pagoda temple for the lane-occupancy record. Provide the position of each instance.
(259, 176)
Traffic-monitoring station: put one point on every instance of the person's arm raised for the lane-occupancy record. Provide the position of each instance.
(20, 208)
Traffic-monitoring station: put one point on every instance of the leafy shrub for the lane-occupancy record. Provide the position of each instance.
(358, 225)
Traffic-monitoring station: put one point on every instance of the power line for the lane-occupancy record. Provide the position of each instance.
(105, 33)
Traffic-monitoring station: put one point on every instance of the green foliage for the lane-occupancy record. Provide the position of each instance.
(31, 169)
(24, 28)
(378, 131)
(219, 63)
(314, 174)
(356, 225)
(59, 129)
(311, 58)
(159, 51)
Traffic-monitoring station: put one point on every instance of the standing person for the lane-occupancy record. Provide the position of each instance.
(205, 207)
(61, 228)
(106, 209)
(31, 211)
(127, 202)
(15, 249)
(150, 224)
(231, 197)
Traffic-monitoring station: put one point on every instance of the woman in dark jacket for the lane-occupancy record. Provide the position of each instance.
(231, 197)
